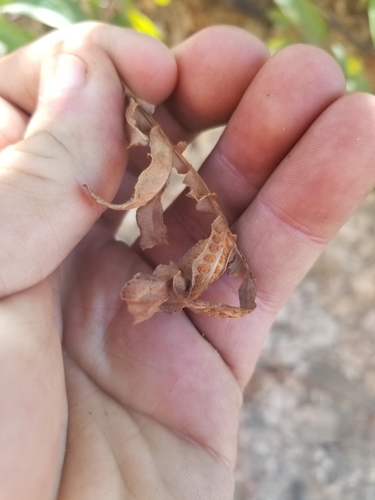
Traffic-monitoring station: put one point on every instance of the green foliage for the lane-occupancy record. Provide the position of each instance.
(371, 18)
(52, 13)
(306, 17)
(353, 69)
(292, 20)
(301, 20)
(12, 37)
(61, 13)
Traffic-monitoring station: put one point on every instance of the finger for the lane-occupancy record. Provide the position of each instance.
(314, 191)
(286, 96)
(215, 67)
(32, 388)
(12, 124)
(75, 137)
(145, 64)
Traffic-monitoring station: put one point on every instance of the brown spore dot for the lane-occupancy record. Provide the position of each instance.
(209, 257)
(213, 247)
(204, 268)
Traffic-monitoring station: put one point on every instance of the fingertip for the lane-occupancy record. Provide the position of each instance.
(327, 71)
(350, 124)
(362, 106)
(156, 71)
(293, 88)
(145, 64)
(215, 66)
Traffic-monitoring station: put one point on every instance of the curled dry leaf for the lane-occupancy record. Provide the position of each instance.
(170, 288)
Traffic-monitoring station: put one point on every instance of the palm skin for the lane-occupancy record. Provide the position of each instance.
(99, 407)
(159, 399)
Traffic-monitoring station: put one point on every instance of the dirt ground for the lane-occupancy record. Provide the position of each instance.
(307, 428)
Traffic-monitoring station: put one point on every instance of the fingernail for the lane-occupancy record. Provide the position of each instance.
(62, 73)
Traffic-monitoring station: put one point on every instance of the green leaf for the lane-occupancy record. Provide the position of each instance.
(353, 69)
(94, 9)
(120, 20)
(163, 3)
(339, 53)
(11, 36)
(360, 83)
(54, 13)
(306, 17)
(277, 19)
(371, 19)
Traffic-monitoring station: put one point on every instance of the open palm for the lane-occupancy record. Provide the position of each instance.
(94, 406)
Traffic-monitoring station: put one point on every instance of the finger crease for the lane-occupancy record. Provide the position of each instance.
(293, 224)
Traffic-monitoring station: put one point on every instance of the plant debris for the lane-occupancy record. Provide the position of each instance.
(170, 288)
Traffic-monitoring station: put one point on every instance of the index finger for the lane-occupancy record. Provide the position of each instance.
(135, 56)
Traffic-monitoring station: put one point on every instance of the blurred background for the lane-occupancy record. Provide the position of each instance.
(346, 28)
(307, 428)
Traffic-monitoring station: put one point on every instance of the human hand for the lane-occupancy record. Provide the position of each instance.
(93, 406)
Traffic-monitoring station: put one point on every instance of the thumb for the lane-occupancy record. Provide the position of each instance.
(74, 137)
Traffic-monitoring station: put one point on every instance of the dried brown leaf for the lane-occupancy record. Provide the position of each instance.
(152, 180)
(202, 306)
(213, 260)
(247, 292)
(185, 264)
(135, 135)
(150, 221)
(144, 293)
(173, 287)
(179, 162)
